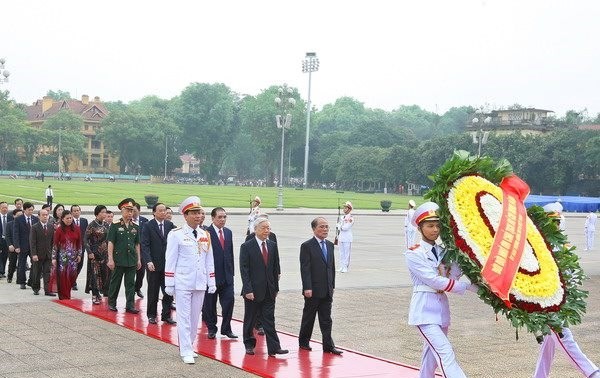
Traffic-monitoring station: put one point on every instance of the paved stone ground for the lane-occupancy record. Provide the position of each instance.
(39, 338)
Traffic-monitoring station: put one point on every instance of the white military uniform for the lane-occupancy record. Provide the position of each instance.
(429, 308)
(567, 343)
(345, 240)
(190, 268)
(590, 230)
(409, 230)
(254, 213)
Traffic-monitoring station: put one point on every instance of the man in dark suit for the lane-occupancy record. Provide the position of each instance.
(222, 243)
(40, 240)
(260, 271)
(12, 254)
(317, 269)
(259, 328)
(21, 229)
(140, 273)
(5, 217)
(82, 223)
(154, 245)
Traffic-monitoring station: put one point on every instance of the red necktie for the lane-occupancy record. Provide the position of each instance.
(221, 239)
(265, 254)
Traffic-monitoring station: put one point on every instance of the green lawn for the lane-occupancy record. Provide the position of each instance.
(110, 193)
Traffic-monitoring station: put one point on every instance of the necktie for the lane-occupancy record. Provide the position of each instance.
(434, 252)
(222, 239)
(29, 221)
(4, 225)
(265, 254)
(77, 222)
(324, 250)
(160, 226)
(45, 229)
(195, 234)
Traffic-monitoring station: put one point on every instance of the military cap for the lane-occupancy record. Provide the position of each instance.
(128, 203)
(190, 203)
(348, 204)
(412, 203)
(553, 209)
(427, 211)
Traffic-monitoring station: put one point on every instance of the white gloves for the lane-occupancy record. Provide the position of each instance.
(170, 290)
(212, 289)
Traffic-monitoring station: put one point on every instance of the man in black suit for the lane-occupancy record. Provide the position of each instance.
(260, 271)
(40, 240)
(21, 229)
(222, 244)
(5, 217)
(12, 254)
(154, 245)
(140, 273)
(82, 223)
(317, 269)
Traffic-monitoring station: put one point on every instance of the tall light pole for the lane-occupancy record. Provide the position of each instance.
(285, 102)
(480, 136)
(4, 74)
(310, 64)
(166, 158)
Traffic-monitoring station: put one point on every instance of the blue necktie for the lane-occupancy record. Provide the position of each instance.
(434, 252)
(324, 250)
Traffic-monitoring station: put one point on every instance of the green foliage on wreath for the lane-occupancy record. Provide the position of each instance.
(540, 322)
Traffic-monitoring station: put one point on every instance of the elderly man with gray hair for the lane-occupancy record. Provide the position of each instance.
(260, 271)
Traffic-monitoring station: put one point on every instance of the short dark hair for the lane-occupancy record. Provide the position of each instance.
(168, 208)
(17, 200)
(15, 211)
(1, 202)
(27, 205)
(98, 209)
(156, 206)
(137, 205)
(46, 206)
(214, 211)
(72, 206)
(108, 211)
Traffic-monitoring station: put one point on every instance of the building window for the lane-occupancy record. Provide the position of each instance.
(96, 144)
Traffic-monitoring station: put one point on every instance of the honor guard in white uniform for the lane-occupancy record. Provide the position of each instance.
(345, 237)
(189, 270)
(254, 213)
(589, 230)
(429, 309)
(563, 340)
(409, 230)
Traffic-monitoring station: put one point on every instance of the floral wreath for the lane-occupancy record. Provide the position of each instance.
(544, 293)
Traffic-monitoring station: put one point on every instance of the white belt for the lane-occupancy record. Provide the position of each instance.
(424, 289)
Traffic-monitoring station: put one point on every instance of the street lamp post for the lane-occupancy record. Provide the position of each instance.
(480, 136)
(4, 74)
(285, 102)
(166, 158)
(310, 64)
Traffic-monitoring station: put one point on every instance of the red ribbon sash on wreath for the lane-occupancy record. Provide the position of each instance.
(509, 242)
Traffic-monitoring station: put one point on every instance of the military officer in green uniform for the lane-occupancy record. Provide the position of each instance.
(123, 256)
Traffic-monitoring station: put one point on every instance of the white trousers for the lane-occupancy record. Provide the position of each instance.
(189, 307)
(437, 351)
(409, 235)
(571, 349)
(345, 249)
(589, 240)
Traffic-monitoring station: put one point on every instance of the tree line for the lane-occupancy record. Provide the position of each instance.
(351, 145)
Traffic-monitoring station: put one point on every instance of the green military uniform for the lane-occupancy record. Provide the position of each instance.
(124, 239)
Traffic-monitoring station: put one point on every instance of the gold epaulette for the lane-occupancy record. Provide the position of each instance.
(414, 247)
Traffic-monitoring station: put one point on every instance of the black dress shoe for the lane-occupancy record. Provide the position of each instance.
(132, 310)
(333, 351)
(306, 347)
(211, 335)
(250, 351)
(49, 294)
(23, 287)
(169, 321)
(139, 294)
(75, 287)
(8, 280)
(231, 335)
(152, 320)
(260, 331)
(279, 351)
(112, 308)
(36, 292)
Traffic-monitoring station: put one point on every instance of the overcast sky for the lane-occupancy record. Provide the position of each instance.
(436, 54)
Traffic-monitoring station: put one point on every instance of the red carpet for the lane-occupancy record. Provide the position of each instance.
(298, 363)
